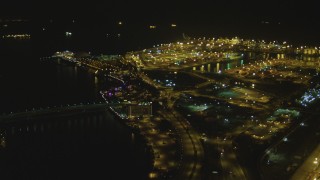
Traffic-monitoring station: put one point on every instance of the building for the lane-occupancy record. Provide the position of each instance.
(139, 109)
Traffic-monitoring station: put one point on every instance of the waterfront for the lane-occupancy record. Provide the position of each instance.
(61, 146)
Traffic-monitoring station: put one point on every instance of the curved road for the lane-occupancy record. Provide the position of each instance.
(192, 151)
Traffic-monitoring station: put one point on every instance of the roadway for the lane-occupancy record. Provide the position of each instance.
(192, 151)
(228, 158)
(231, 167)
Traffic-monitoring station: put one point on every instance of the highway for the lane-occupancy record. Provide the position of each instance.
(228, 159)
(192, 151)
(192, 145)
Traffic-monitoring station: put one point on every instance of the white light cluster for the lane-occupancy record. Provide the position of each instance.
(309, 97)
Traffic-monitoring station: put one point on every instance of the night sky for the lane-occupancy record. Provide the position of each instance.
(289, 18)
(236, 10)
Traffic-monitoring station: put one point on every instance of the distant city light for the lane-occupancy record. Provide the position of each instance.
(17, 36)
(309, 97)
(68, 34)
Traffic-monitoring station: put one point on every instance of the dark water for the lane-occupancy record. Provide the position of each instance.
(49, 84)
(92, 145)
(27, 83)
(89, 145)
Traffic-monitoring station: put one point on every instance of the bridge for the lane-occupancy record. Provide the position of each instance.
(66, 110)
